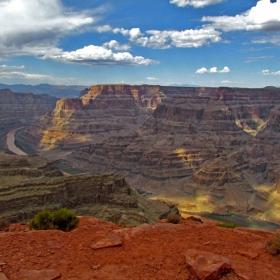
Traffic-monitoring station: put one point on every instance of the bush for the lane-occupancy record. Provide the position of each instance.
(42, 221)
(227, 225)
(62, 219)
(173, 218)
(65, 220)
(3, 223)
(273, 245)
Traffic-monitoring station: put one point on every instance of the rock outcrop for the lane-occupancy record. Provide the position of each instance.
(207, 149)
(29, 184)
(21, 108)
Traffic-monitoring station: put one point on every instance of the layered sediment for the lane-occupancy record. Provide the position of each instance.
(212, 149)
(29, 184)
(21, 108)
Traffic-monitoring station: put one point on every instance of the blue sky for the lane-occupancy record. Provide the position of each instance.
(196, 42)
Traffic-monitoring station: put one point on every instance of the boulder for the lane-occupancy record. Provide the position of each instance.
(207, 266)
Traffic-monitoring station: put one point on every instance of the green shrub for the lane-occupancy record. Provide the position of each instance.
(42, 221)
(65, 220)
(227, 225)
(62, 219)
(273, 245)
(173, 218)
(4, 223)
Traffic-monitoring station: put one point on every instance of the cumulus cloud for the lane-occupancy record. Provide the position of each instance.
(190, 38)
(152, 79)
(212, 70)
(264, 16)
(7, 67)
(97, 55)
(34, 26)
(195, 3)
(113, 44)
(268, 73)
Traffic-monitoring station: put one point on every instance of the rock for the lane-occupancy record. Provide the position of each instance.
(3, 276)
(112, 240)
(108, 197)
(22, 108)
(250, 255)
(45, 274)
(207, 266)
(243, 277)
(210, 147)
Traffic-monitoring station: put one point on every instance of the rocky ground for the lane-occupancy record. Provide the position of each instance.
(103, 250)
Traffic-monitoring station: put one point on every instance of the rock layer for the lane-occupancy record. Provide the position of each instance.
(207, 149)
(29, 184)
(21, 108)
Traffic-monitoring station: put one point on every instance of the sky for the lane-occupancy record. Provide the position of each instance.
(211, 43)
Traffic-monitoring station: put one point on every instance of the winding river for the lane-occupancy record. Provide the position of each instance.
(10, 141)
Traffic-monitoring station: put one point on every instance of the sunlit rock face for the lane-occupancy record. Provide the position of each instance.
(213, 149)
(21, 108)
(101, 112)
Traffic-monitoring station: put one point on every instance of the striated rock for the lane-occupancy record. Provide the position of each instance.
(21, 108)
(36, 180)
(207, 266)
(46, 274)
(205, 149)
(112, 240)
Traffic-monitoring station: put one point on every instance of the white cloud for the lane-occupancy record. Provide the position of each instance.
(231, 82)
(113, 44)
(97, 55)
(212, 70)
(195, 3)
(103, 28)
(264, 16)
(34, 26)
(274, 39)
(257, 58)
(7, 67)
(190, 38)
(152, 79)
(33, 78)
(13, 75)
(268, 73)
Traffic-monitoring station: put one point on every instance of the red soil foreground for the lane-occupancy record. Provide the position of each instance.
(147, 252)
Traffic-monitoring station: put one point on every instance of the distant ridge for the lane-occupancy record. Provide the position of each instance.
(59, 91)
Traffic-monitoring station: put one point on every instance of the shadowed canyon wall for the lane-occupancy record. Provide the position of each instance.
(21, 108)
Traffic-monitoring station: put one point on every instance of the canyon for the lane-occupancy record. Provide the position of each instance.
(29, 184)
(205, 149)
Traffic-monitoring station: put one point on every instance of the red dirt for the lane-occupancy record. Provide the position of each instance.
(147, 252)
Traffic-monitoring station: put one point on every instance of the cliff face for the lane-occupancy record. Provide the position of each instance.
(29, 184)
(101, 112)
(211, 149)
(22, 108)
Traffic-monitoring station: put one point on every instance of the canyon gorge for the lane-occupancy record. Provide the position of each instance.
(204, 149)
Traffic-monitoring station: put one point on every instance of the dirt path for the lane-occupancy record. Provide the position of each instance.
(10, 141)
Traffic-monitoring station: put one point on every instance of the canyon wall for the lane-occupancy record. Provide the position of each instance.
(206, 149)
(29, 184)
(21, 108)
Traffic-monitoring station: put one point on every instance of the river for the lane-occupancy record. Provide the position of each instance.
(10, 141)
